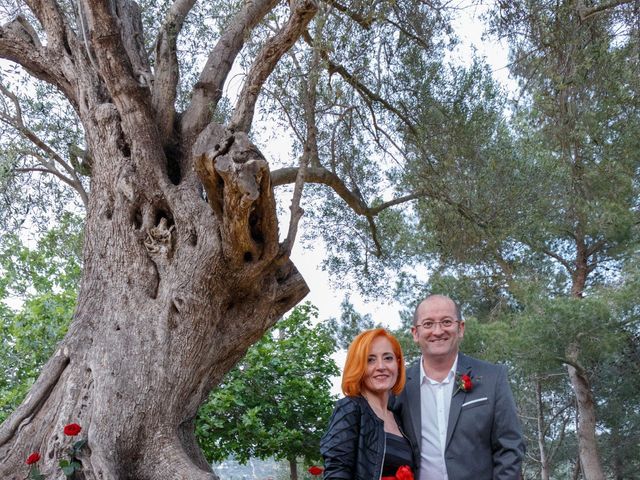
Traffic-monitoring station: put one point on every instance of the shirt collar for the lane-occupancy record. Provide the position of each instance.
(450, 376)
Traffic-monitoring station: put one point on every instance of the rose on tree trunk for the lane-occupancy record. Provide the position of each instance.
(72, 429)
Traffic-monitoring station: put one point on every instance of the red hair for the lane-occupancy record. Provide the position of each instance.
(356, 365)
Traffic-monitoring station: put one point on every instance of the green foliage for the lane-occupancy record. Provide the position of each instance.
(358, 137)
(276, 401)
(45, 279)
(38, 131)
(55, 263)
(350, 324)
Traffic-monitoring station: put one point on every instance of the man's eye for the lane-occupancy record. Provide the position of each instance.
(447, 323)
(427, 324)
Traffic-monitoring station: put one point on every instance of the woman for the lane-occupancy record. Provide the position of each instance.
(364, 441)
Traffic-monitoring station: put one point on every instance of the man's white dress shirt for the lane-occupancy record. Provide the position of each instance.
(435, 402)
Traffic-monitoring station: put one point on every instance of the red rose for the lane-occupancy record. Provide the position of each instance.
(72, 429)
(33, 458)
(404, 473)
(467, 384)
(314, 470)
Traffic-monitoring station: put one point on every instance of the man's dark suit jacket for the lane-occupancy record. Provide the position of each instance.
(484, 436)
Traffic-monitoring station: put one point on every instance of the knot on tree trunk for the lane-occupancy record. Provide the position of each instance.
(158, 239)
(237, 181)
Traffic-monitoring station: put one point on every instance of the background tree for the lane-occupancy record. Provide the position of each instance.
(276, 401)
(44, 279)
(41, 154)
(350, 324)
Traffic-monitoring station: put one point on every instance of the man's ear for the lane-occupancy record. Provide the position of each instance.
(414, 333)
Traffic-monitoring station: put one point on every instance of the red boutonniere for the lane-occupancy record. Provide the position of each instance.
(465, 383)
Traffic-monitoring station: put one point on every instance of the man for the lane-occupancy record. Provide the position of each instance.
(458, 411)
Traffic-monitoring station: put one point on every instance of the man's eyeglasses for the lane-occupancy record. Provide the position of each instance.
(430, 325)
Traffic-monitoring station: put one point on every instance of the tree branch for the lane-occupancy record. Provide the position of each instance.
(333, 67)
(19, 43)
(167, 73)
(17, 122)
(130, 20)
(111, 54)
(596, 247)
(49, 15)
(310, 146)
(573, 363)
(75, 184)
(321, 175)
(301, 14)
(208, 90)
(397, 201)
(120, 64)
(552, 254)
(6, 117)
(364, 22)
(587, 12)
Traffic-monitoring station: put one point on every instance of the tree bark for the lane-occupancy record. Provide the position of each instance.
(587, 442)
(175, 287)
(168, 304)
(544, 459)
(590, 463)
(293, 468)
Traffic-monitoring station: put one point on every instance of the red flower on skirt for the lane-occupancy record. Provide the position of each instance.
(33, 458)
(314, 470)
(404, 473)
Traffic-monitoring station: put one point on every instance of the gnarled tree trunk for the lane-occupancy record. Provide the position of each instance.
(175, 286)
(173, 294)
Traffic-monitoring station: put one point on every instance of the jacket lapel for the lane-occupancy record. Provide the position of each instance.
(413, 398)
(458, 396)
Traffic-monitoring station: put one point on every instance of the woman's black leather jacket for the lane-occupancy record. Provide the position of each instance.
(353, 446)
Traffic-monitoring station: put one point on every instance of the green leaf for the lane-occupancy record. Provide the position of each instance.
(34, 474)
(77, 446)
